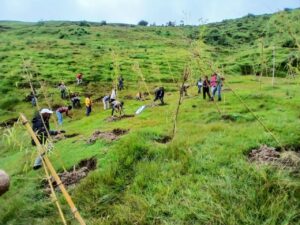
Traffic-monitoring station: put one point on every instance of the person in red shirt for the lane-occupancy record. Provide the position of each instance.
(62, 110)
(79, 78)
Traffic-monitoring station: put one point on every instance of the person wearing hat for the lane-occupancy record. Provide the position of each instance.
(41, 127)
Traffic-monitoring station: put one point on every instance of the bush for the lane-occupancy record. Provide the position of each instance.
(143, 23)
(9, 103)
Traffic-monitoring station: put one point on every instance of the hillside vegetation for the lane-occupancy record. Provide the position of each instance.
(203, 174)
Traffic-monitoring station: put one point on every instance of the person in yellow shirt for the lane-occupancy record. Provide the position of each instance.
(88, 105)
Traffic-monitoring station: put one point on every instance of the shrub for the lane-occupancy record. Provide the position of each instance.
(9, 103)
(143, 23)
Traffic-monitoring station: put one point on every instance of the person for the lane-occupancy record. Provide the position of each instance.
(88, 105)
(62, 110)
(32, 98)
(159, 94)
(206, 91)
(120, 83)
(75, 101)
(139, 96)
(113, 95)
(63, 90)
(79, 78)
(216, 84)
(117, 107)
(105, 101)
(199, 85)
(184, 89)
(41, 127)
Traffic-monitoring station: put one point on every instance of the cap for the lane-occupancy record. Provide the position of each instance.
(46, 111)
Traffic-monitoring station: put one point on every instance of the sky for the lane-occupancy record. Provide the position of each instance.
(132, 11)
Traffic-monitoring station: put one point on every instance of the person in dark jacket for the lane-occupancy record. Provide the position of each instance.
(206, 85)
(159, 94)
(120, 83)
(41, 127)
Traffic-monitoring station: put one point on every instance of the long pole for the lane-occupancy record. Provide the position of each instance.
(52, 171)
(273, 76)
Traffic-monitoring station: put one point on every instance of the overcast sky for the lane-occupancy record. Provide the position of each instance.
(132, 11)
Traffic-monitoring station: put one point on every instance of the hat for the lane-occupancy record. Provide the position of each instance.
(46, 111)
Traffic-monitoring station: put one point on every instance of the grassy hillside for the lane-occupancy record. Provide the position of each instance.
(203, 175)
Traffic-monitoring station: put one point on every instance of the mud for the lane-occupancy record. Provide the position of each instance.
(71, 177)
(107, 135)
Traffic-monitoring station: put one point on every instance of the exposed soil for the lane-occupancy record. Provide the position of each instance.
(117, 118)
(268, 155)
(264, 154)
(163, 139)
(59, 137)
(72, 176)
(9, 122)
(107, 135)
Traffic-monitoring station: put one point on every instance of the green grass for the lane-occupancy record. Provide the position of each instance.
(203, 175)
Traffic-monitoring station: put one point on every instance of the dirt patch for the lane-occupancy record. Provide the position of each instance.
(71, 177)
(163, 139)
(62, 136)
(116, 118)
(269, 155)
(9, 122)
(264, 154)
(107, 135)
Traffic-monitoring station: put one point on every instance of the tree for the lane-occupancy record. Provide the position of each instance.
(171, 24)
(143, 23)
(103, 23)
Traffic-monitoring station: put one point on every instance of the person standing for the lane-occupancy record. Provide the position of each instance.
(113, 95)
(88, 105)
(120, 83)
(216, 83)
(206, 91)
(62, 110)
(105, 101)
(199, 85)
(63, 90)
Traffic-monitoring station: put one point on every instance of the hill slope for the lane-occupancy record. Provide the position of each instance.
(202, 175)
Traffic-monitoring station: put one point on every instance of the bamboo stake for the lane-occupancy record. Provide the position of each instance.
(186, 74)
(53, 195)
(41, 149)
(273, 72)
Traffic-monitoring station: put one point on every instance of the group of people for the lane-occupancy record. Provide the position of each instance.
(211, 87)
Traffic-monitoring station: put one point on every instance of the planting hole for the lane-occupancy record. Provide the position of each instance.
(107, 135)
(163, 139)
(71, 177)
